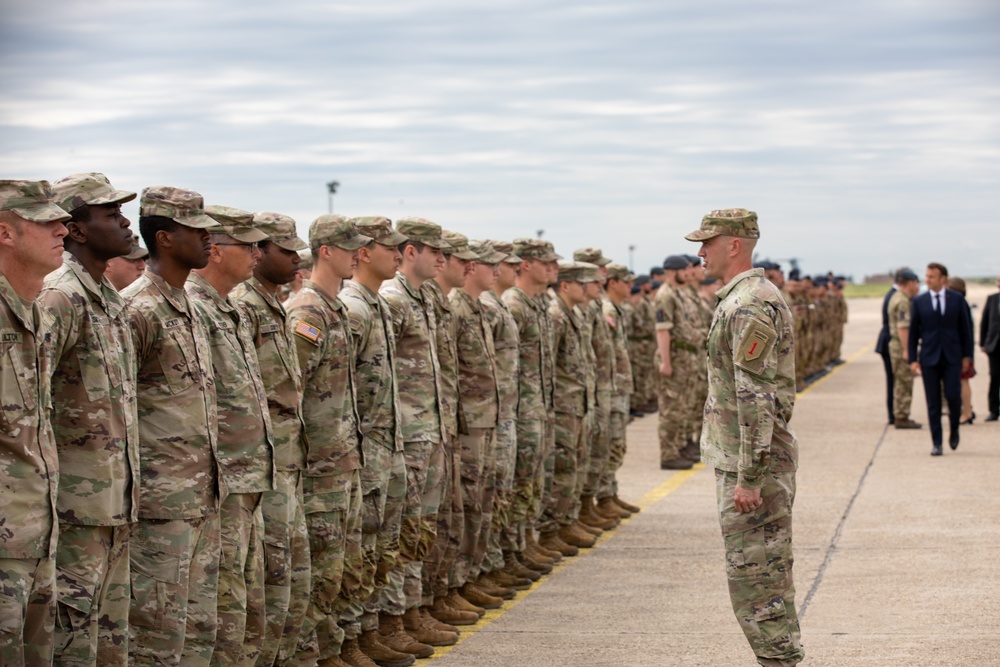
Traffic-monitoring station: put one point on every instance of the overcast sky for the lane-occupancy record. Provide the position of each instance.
(866, 134)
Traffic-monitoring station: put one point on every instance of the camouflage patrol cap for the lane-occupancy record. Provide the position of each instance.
(138, 252)
(234, 223)
(90, 189)
(526, 248)
(280, 230)
(572, 271)
(458, 246)
(507, 248)
(185, 207)
(486, 252)
(676, 262)
(336, 230)
(620, 272)
(305, 259)
(727, 222)
(591, 256)
(380, 229)
(422, 231)
(32, 200)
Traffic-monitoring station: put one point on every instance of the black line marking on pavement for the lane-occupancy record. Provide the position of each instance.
(840, 528)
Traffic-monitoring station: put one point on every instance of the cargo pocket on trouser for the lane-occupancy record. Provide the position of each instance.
(75, 633)
(276, 562)
(155, 595)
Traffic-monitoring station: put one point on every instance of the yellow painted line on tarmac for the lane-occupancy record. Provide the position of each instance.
(670, 485)
(854, 357)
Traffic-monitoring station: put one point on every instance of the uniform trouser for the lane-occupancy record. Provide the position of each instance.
(382, 476)
(547, 471)
(528, 470)
(175, 578)
(503, 534)
(902, 384)
(333, 518)
(600, 445)
(570, 436)
(92, 592)
(675, 405)
(759, 567)
(478, 469)
(287, 576)
(418, 527)
(27, 611)
(698, 397)
(440, 562)
(608, 486)
(241, 616)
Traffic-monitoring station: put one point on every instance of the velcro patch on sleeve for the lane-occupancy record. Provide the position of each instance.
(755, 344)
(308, 331)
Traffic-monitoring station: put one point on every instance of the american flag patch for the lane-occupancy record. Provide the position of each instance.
(308, 331)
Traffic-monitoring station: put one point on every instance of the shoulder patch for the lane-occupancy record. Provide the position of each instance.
(308, 331)
(755, 343)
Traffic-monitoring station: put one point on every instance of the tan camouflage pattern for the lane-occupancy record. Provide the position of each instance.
(618, 323)
(737, 222)
(477, 372)
(447, 355)
(902, 386)
(88, 189)
(28, 601)
(32, 200)
(185, 207)
(642, 349)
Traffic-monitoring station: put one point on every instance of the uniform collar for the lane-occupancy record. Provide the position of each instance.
(103, 292)
(737, 279)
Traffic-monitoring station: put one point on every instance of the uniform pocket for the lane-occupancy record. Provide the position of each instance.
(75, 592)
(18, 391)
(174, 363)
(155, 579)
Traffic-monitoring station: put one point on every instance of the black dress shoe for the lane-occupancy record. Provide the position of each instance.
(953, 439)
(992, 418)
(936, 451)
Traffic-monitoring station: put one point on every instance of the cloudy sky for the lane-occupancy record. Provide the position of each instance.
(865, 133)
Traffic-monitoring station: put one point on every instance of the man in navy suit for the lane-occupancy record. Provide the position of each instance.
(989, 340)
(939, 324)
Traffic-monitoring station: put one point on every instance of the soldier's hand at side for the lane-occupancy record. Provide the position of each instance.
(966, 362)
(746, 500)
(666, 370)
(915, 367)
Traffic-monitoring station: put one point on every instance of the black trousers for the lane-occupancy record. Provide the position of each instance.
(994, 397)
(889, 383)
(934, 376)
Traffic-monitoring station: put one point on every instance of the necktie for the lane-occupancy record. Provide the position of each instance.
(935, 298)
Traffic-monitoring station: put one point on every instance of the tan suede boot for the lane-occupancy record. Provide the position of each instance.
(456, 601)
(413, 624)
(608, 507)
(488, 586)
(447, 614)
(590, 517)
(592, 530)
(628, 507)
(431, 622)
(535, 548)
(335, 661)
(393, 635)
(480, 598)
(514, 568)
(542, 567)
(554, 542)
(370, 644)
(577, 537)
(502, 578)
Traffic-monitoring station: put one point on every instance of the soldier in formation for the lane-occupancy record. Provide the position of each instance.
(233, 472)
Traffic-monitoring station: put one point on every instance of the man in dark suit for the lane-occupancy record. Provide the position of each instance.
(989, 340)
(939, 325)
(882, 349)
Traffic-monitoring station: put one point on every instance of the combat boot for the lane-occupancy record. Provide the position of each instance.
(370, 645)
(608, 507)
(533, 547)
(575, 537)
(678, 463)
(514, 568)
(431, 622)
(445, 614)
(628, 507)
(487, 586)
(336, 661)
(352, 655)
(393, 635)
(554, 542)
(692, 451)
(538, 566)
(456, 601)
(504, 580)
(480, 598)
(538, 557)
(590, 517)
(413, 624)
(589, 530)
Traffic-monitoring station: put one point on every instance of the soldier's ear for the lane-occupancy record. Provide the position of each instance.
(76, 232)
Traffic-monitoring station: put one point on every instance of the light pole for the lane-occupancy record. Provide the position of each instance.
(332, 188)
(631, 267)
(541, 233)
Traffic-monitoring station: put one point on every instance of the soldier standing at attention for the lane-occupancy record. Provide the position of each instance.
(95, 427)
(331, 486)
(31, 246)
(751, 385)
(907, 287)
(124, 270)
(246, 443)
(677, 358)
(286, 542)
(175, 547)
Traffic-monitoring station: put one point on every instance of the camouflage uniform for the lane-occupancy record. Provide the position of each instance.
(902, 387)
(332, 482)
(414, 325)
(674, 313)
(695, 383)
(287, 574)
(618, 324)
(707, 310)
(642, 350)
(747, 440)
(572, 404)
(97, 436)
(383, 478)
(477, 421)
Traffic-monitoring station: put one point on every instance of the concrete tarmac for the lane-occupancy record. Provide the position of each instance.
(896, 552)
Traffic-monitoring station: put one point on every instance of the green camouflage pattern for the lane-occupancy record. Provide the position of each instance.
(32, 200)
(245, 443)
(28, 599)
(87, 189)
(902, 386)
(447, 354)
(737, 222)
(571, 361)
(29, 463)
(185, 207)
(336, 230)
(93, 398)
(318, 322)
(678, 314)
(178, 428)
(478, 460)
(477, 370)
